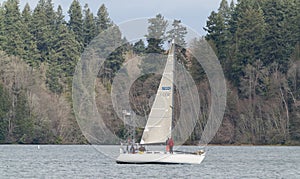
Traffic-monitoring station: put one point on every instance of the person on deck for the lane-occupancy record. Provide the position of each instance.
(171, 144)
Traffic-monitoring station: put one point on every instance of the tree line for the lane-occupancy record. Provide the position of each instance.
(257, 43)
(47, 47)
(36, 105)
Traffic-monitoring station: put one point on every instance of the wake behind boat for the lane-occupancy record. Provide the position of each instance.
(159, 127)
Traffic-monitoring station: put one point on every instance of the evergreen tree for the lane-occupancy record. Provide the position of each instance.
(139, 47)
(195, 68)
(115, 59)
(2, 29)
(247, 29)
(89, 26)
(13, 42)
(4, 108)
(281, 31)
(26, 14)
(43, 28)
(250, 34)
(31, 54)
(156, 34)
(76, 21)
(67, 51)
(65, 55)
(276, 41)
(60, 18)
(224, 10)
(177, 33)
(218, 28)
(103, 21)
(23, 125)
(53, 80)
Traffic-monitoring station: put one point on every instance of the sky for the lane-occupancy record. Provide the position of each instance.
(193, 13)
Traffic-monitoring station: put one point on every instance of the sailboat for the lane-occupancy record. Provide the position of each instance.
(159, 126)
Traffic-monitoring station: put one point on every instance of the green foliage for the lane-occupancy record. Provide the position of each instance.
(178, 33)
(156, 34)
(43, 28)
(23, 122)
(257, 43)
(254, 41)
(76, 21)
(139, 47)
(103, 21)
(195, 67)
(2, 30)
(13, 42)
(89, 26)
(31, 54)
(53, 82)
(112, 48)
(250, 34)
(4, 113)
(276, 42)
(67, 52)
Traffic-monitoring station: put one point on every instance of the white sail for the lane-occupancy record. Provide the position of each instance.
(159, 123)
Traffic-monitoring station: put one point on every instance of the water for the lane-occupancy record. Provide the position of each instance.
(50, 161)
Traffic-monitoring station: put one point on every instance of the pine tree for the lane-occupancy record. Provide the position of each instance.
(103, 21)
(113, 48)
(76, 21)
(43, 28)
(31, 54)
(23, 122)
(178, 33)
(248, 38)
(276, 40)
(65, 55)
(13, 42)
(66, 51)
(195, 68)
(218, 27)
(89, 26)
(139, 47)
(4, 108)
(250, 34)
(224, 10)
(156, 34)
(59, 17)
(2, 29)
(282, 31)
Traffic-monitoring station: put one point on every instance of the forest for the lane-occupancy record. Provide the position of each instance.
(256, 42)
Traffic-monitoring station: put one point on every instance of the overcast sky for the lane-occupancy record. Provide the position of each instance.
(193, 13)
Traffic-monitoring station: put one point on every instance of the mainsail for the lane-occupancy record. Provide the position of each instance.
(159, 123)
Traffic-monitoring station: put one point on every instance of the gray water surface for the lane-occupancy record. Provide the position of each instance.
(82, 161)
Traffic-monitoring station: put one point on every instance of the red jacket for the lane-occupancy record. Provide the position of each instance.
(171, 142)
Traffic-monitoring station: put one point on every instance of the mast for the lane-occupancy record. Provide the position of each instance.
(173, 46)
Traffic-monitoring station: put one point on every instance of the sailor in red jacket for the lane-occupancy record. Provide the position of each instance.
(171, 144)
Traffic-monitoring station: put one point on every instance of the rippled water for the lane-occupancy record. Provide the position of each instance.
(50, 161)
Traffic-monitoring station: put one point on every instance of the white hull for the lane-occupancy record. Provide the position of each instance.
(160, 158)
